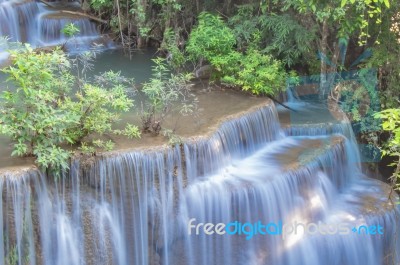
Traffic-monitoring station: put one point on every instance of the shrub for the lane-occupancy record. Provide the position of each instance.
(261, 74)
(165, 91)
(42, 118)
(210, 38)
(251, 70)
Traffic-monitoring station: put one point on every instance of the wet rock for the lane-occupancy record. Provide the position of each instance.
(204, 72)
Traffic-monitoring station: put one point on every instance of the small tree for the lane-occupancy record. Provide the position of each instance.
(41, 116)
(165, 90)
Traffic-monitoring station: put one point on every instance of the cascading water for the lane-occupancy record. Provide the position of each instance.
(33, 22)
(135, 207)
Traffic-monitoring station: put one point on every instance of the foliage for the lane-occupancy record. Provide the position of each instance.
(255, 72)
(98, 105)
(101, 4)
(285, 38)
(245, 26)
(42, 117)
(348, 15)
(227, 66)
(252, 70)
(280, 35)
(385, 57)
(31, 115)
(165, 91)
(138, 10)
(176, 57)
(391, 123)
(359, 99)
(173, 138)
(261, 74)
(135, 22)
(210, 38)
(131, 131)
(70, 30)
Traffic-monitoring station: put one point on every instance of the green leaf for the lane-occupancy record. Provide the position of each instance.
(314, 8)
(387, 3)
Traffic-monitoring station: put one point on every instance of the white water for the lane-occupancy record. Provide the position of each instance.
(34, 23)
(133, 208)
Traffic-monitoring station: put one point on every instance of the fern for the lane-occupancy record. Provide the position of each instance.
(278, 35)
(288, 39)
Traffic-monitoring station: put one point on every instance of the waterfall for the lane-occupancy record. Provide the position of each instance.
(16, 18)
(135, 207)
(39, 25)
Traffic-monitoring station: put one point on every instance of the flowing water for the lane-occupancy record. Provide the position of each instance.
(146, 207)
(40, 25)
(135, 207)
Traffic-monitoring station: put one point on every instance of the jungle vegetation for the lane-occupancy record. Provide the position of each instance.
(257, 46)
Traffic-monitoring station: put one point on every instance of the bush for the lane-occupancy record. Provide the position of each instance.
(211, 38)
(252, 70)
(176, 57)
(41, 116)
(261, 74)
(165, 91)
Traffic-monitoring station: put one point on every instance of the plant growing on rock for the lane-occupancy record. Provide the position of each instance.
(165, 92)
(42, 116)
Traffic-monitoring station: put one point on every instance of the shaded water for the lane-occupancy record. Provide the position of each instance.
(134, 208)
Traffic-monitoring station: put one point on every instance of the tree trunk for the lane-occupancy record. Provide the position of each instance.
(120, 22)
(142, 40)
(324, 67)
(333, 69)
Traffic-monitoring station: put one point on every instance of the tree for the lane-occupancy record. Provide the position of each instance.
(340, 20)
(277, 34)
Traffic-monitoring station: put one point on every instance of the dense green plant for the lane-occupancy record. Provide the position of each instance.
(210, 38)
(391, 123)
(166, 92)
(280, 35)
(40, 115)
(176, 57)
(261, 74)
(30, 114)
(70, 30)
(245, 25)
(252, 70)
(101, 4)
(98, 106)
